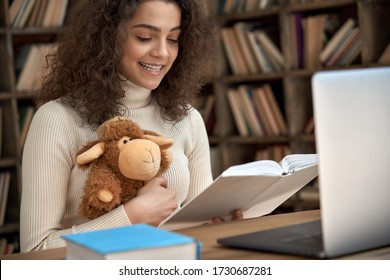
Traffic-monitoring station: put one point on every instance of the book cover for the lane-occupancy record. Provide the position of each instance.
(24, 14)
(352, 53)
(313, 28)
(34, 13)
(260, 56)
(241, 29)
(271, 49)
(337, 39)
(263, 4)
(248, 110)
(41, 13)
(14, 9)
(348, 43)
(5, 180)
(275, 109)
(264, 108)
(236, 108)
(229, 51)
(136, 242)
(25, 79)
(257, 188)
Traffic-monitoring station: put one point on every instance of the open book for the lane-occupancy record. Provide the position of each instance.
(257, 188)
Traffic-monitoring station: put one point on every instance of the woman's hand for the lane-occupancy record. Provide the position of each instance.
(236, 215)
(153, 203)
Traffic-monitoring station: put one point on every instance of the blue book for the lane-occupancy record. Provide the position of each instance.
(137, 242)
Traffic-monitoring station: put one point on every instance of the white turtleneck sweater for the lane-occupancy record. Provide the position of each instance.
(53, 184)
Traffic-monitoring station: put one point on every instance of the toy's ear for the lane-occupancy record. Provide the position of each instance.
(91, 154)
(163, 142)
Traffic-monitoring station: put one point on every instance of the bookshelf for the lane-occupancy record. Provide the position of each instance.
(300, 30)
(33, 23)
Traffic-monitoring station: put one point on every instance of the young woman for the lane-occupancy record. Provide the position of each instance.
(141, 59)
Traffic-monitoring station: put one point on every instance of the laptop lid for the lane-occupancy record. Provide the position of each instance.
(352, 126)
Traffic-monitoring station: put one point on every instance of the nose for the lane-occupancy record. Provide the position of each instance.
(161, 49)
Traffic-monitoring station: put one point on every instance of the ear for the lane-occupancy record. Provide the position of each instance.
(163, 142)
(91, 154)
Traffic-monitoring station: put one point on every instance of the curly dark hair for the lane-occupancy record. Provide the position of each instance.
(84, 72)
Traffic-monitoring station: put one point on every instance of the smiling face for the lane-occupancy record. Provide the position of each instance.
(151, 46)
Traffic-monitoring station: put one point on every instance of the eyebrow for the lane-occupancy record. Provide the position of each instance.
(154, 28)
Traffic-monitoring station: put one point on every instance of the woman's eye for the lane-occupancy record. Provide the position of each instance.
(143, 39)
(173, 41)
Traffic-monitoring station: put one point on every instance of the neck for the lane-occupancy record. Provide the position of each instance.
(136, 96)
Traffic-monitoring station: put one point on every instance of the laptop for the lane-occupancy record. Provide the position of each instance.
(352, 126)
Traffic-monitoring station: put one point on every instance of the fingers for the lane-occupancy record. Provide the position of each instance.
(153, 184)
(217, 220)
(162, 181)
(159, 181)
(237, 214)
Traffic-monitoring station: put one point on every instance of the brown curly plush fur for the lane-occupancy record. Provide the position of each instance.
(104, 173)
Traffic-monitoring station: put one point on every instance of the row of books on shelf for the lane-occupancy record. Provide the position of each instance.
(240, 6)
(323, 41)
(32, 64)
(37, 13)
(274, 152)
(256, 111)
(5, 180)
(250, 50)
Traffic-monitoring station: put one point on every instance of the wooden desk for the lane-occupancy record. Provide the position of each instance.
(211, 250)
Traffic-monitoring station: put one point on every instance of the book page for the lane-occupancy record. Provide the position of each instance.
(255, 168)
(282, 190)
(291, 163)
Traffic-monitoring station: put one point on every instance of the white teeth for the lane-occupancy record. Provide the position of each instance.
(150, 67)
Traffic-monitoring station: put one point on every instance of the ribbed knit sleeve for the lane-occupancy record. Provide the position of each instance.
(198, 157)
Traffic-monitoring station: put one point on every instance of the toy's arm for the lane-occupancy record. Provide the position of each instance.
(102, 192)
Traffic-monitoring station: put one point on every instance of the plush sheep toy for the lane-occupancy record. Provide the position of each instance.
(120, 161)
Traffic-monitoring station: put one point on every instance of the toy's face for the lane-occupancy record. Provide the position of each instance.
(138, 159)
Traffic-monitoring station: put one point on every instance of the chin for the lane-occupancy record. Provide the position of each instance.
(150, 85)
